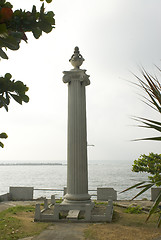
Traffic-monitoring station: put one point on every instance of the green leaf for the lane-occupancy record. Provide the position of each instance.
(148, 125)
(17, 98)
(2, 2)
(11, 42)
(152, 121)
(3, 30)
(17, 35)
(144, 190)
(34, 9)
(25, 98)
(8, 5)
(159, 221)
(3, 54)
(7, 98)
(49, 17)
(154, 206)
(37, 32)
(45, 26)
(134, 186)
(6, 107)
(42, 9)
(1, 145)
(3, 135)
(147, 139)
(146, 185)
(2, 99)
(48, 1)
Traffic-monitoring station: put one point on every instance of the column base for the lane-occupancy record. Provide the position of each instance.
(77, 199)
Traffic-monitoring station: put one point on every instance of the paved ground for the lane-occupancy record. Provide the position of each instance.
(63, 231)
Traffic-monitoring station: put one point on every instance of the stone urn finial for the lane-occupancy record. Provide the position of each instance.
(76, 59)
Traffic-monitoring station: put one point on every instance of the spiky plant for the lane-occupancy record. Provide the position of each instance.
(152, 87)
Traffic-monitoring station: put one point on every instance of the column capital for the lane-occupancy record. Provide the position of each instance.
(76, 75)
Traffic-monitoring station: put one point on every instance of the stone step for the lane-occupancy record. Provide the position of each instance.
(73, 214)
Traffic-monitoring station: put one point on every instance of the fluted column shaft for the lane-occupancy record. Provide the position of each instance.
(77, 168)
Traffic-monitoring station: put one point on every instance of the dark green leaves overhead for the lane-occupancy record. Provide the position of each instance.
(13, 30)
(12, 89)
(33, 21)
(37, 32)
(10, 42)
(3, 54)
(3, 30)
(4, 136)
(48, 1)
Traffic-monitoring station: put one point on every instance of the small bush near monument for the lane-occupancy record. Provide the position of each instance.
(134, 210)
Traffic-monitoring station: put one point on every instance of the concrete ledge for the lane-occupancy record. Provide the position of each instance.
(154, 193)
(104, 194)
(5, 197)
(21, 193)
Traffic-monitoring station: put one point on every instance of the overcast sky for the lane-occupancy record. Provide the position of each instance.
(114, 37)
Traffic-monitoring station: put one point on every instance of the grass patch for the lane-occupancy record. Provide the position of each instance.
(59, 200)
(100, 203)
(134, 210)
(124, 226)
(18, 222)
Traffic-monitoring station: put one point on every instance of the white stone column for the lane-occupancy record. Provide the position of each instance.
(77, 166)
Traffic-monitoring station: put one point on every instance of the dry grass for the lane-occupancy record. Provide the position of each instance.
(18, 222)
(28, 224)
(125, 226)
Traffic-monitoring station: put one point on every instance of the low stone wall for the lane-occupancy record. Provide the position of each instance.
(104, 194)
(154, 193)
(21, 193)
(5, 197)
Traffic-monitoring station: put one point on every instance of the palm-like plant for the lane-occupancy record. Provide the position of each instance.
(152, 88)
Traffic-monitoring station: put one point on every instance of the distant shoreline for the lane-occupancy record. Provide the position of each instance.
(29, 164)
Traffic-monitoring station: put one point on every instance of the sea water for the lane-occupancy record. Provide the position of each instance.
(116, 174)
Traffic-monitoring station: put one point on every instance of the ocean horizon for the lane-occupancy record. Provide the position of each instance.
(53, 174)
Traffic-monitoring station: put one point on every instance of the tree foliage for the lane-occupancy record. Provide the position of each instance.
(14, 25)
(13, 28)
(3, 135)
(12, 89)
(48, 1)
(150, 164)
